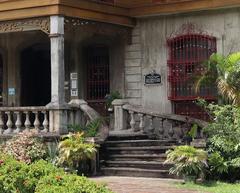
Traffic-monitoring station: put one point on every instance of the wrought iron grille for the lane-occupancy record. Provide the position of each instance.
(98, 83)
(186, 55)
(1, 80)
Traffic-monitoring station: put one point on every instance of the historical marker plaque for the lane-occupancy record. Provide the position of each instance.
(153, 78)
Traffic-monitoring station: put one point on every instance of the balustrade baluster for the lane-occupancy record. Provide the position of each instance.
(18, 122)
(9, 123)
(1, 123)
(151, 128)
(141, 124)
(132, 122)
(45, 122)
(36, 122)
(161, 129)
(27, 122)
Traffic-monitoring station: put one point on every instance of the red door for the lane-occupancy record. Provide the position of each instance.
(98, 83)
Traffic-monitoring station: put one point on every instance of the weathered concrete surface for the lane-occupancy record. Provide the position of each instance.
(140, 185)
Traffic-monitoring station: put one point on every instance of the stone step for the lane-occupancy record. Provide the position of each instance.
(135, 172)
(137, 150)
(139, 143)
(137, 157)
(126, 136)
(138, 164)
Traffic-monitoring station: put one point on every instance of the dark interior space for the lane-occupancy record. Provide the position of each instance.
(36, 75)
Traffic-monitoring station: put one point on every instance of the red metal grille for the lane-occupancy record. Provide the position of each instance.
(1, 81)
(186, 54)
(98, 83)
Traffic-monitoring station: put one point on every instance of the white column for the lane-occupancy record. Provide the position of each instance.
(57, 60)
(58, 112)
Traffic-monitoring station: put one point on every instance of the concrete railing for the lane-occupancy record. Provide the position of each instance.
(47, 119)
(138, 119)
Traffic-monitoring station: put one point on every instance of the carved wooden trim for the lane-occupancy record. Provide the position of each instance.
(41, 23)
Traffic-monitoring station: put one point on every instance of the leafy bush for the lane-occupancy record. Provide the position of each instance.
(41, 177)
(223, 142)
(188, 161)
(55, 183)
(89, 130)
(25, 147)
(74, 150)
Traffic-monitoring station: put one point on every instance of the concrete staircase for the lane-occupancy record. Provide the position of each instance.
(135, 155)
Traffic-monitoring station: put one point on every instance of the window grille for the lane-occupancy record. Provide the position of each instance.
(186, 54)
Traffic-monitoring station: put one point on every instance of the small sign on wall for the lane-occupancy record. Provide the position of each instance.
(74, 84)
(11, 91)
(152, 78)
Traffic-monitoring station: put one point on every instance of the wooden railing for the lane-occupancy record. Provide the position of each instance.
(137, 119)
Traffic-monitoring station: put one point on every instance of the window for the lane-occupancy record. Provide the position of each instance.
(186, 54)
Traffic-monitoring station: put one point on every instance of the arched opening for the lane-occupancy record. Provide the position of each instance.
(36, 75)
(98, 80)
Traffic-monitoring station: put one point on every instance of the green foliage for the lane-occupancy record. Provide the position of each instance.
(223, 142)
(41, 177)
(55, 183)
(25, 147)
(224, 72)
(187, 160)
(89, 130)
(74, 149)
(217, 165)
(111, 97)
(193, 132)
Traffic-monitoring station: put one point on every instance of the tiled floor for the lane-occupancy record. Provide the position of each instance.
(140, 185)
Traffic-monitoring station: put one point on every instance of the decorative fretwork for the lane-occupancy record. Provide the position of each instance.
(42, 23)
(100, 28)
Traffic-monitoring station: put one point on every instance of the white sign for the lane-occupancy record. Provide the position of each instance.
(74, 84)
(11, 91)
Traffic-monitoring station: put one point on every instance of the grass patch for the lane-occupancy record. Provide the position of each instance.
(213, 187)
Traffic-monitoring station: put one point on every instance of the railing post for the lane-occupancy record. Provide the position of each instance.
(120, 118)
(141, 124)
(1, 123)
(9, 123)
(27, 122)
(18, 122)
(45, 122)
(36, 122)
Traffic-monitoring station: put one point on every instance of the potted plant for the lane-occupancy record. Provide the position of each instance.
(75, 151)
(110, 98)
(188, 162)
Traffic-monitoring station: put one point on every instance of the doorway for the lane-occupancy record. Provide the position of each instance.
(36, 75)
(1, 80)
(98, 81)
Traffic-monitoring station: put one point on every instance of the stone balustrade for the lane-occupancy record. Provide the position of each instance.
(136, 119)
(17, 119)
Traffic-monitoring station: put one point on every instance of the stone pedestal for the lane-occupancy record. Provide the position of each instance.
(120, 122)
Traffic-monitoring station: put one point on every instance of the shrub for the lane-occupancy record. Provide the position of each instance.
(41, 177)
(223, 143)
(55, 183)
(89, 130)
(74, 150)
(25, 147)
(188, 161)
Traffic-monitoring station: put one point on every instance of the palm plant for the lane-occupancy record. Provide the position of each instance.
(188, 161)
(73, 150)
(225, 72)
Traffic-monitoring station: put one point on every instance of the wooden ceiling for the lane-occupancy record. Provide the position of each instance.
(121, 12)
